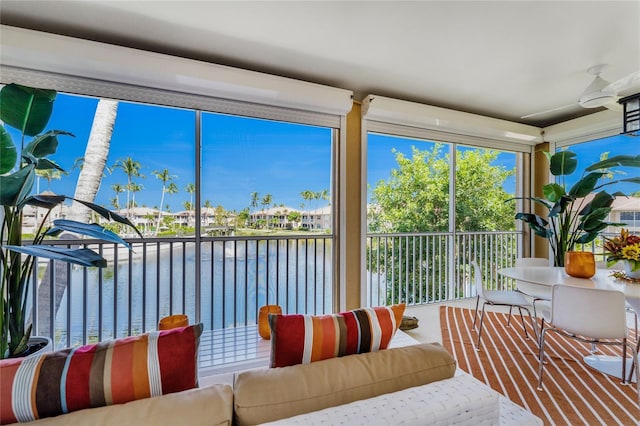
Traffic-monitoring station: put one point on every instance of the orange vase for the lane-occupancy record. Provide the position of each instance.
(263, 319)
(580, 264)
(173, 321)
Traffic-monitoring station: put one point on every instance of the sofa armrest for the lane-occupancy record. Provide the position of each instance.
(265, 395)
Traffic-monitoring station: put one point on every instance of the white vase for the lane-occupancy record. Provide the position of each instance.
(44, 344)
(629, 273)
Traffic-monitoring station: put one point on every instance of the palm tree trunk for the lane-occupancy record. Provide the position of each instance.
(95, 158)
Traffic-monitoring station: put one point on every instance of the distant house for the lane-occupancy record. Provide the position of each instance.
(317, 219)
(144, 218)
(275, 217)
(627, 211)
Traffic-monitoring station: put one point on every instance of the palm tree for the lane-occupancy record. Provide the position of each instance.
(49, 175)
(166, 179)
(131, 168)
(95, 158)
(117, 188)
(255, 197)
(134, 187)
(191, 189)
(307, 195)
(94, 164)
(266, 202)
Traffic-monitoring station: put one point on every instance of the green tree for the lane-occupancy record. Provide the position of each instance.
(242, 218)
(49, 175)
(294, 218)
(191, 189)
(117, 188)
(415, 199)
(266, 202)
(166, 178)
(131, 168)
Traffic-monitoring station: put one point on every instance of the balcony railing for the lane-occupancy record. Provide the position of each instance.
(157, 278)
(419, 268)
(237, 275)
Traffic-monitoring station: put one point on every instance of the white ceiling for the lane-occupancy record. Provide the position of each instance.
(500, 59)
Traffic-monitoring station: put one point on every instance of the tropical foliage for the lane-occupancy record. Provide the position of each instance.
(415, 199)
(625, 247)
(28, 110)
(576, 215)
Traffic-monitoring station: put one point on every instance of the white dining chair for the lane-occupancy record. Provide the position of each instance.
(591, 315)
(499, 298)
(535, 291)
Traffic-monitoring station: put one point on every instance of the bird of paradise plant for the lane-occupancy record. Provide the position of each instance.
(576, 215)
(28, 110)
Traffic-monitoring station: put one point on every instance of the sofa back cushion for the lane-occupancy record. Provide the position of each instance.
(301, 339)
(264, 395)
(105, 373)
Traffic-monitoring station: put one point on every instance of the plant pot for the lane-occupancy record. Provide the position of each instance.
(579, 264)
(37, 346)
(628, 272)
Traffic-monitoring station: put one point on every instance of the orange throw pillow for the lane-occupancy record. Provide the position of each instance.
(301, 339)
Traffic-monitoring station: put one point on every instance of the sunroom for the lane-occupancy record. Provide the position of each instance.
(312, 193)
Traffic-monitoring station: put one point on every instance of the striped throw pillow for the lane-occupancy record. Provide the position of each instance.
(302, 339)
(109, 372)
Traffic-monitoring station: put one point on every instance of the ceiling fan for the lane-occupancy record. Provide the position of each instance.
(600, 93)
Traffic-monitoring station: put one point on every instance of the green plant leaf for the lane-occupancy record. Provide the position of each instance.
(563, 163)
(82, 256)
(8, 152)
(46, 144)
(553, 192)
(588, 237)
(595, 219)
(601, 200)
(616, 161)
(108, 214)
(25, 108)
(46, 164)
(14, 188)
(44, 201)
(584, 186)
(89, 229)
(537, 224)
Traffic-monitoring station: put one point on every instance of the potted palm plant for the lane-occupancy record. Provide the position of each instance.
(28, 110)
(576, 215)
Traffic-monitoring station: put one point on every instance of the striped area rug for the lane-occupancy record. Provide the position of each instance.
(573, 393)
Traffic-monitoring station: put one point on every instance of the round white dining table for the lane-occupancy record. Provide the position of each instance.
(538, 276)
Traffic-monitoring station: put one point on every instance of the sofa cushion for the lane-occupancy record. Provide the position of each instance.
(109, 372)
(210, 405)
(301, 339)
(264, 395)
(460, 400)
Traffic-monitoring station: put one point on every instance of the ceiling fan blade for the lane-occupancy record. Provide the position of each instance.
(614, 106)
(630, 81)
(535, 114)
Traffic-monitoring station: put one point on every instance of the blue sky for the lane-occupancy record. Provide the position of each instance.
(239, 156)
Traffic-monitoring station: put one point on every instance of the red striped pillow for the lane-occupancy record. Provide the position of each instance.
(105, 373)
(301, 339)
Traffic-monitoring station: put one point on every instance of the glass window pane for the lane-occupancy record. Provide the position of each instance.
(407, 184)
(485, 179)
(265, 178)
